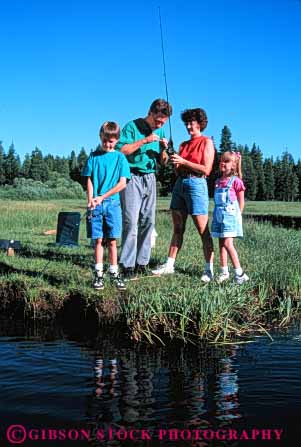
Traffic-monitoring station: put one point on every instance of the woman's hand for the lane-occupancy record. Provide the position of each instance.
(177, 160)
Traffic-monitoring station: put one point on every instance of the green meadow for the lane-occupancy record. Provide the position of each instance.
(178, 306)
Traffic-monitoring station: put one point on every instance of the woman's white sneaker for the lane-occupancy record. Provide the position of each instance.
(240, 279)
(163, 269)
(222, 277)
(207, 276)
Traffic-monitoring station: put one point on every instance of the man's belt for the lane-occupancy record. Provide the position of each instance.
(140, 174)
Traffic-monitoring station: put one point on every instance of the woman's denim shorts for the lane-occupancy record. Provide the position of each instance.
(190, 194)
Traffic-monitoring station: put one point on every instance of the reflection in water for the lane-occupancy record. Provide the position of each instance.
(227, 395)
(160, 389)
(104, 383)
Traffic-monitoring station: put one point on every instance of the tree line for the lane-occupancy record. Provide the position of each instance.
(265, 178)
(37, 167)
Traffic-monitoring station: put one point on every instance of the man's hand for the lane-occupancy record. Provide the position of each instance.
(163, 143)
(150, 138)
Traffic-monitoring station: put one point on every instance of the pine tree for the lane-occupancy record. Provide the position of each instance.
(167, 178)
(256, 156)
(61, 165)
(298, 173)
(2, 168)
(82, 158)
(268, 168)
(38, 168)
(249, 176)
(214, 172)
(226, 142)
(293, 187)
(73, 165)
(49, 160)
(12, 165)
(25, 169)
(279, 180)
(81, 161)
(286, 179)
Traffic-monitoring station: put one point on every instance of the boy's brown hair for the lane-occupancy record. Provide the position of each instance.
(109, 130)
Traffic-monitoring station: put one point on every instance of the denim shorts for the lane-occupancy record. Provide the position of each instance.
(191, 195)
(105, 220)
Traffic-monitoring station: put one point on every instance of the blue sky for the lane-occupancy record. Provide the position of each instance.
(67, 66)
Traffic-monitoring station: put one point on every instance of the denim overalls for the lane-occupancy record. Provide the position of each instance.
(227, 220)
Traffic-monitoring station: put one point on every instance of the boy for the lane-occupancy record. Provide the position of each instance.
(106, 171)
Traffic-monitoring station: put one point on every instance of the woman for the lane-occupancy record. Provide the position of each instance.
(193, 164)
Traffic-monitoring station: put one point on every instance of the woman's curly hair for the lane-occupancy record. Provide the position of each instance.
(198, 115)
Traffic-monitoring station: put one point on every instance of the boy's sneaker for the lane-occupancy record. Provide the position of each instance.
(207, 276)
(240, 279)
(222, 277)
(116, 279)
(98, 281)
(163, 269)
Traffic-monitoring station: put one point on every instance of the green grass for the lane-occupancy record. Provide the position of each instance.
(253, 207)
(175, 306)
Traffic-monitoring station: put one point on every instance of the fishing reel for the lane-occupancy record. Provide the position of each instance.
(170, 149)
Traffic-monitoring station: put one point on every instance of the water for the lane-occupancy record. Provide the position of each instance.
(100, 385)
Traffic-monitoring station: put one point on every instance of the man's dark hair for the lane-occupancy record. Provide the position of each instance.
(161, 106)
(109, 130)
(198, 115)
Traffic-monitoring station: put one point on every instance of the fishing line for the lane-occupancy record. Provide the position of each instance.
(170, 149)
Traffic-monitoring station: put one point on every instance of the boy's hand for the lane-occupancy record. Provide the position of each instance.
(92, 204)
(97, 201)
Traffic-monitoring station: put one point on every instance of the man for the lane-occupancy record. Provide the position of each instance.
(144, 144)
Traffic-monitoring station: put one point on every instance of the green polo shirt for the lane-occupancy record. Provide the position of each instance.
(144, 159)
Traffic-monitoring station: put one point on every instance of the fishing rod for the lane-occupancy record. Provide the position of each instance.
(170, 148)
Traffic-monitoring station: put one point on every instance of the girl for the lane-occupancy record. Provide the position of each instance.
(227, 223)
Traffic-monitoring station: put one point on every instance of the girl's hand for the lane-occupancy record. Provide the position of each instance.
(177, 160)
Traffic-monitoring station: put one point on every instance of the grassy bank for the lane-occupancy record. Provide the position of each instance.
(44, 279)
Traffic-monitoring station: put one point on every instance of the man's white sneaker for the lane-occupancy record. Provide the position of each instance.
(207, 276)
(240, 279)
(222, 277)
(163, 269)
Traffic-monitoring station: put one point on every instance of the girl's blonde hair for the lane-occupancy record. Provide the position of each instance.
(235, 157)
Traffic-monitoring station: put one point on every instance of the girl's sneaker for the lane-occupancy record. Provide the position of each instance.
(207, 276)
(98, 281)
(222, 277)
(240, 279)
(163, 269)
